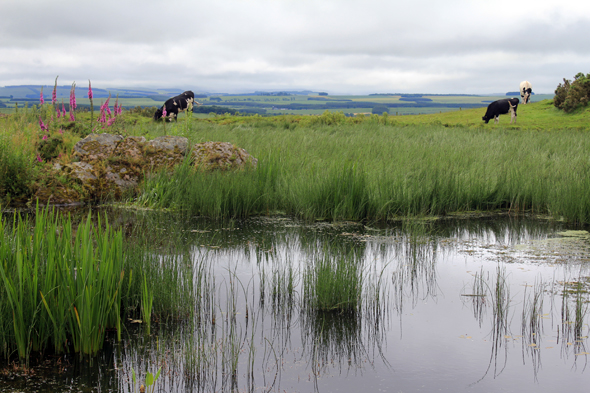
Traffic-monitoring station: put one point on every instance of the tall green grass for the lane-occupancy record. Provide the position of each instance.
(372, 171)
(59, 285)
(333, 284)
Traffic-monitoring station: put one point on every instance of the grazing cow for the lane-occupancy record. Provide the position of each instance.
(525, 91)
(175, 105)
(501, 107)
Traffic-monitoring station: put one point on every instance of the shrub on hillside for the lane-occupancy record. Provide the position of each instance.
(16, 172)
(572, 95)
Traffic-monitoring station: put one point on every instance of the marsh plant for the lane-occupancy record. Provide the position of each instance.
(53, 290)
(333, 284)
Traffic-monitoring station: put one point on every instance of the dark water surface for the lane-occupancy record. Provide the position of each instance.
(473, 305)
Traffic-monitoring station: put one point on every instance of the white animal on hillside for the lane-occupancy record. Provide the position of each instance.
(525, 91)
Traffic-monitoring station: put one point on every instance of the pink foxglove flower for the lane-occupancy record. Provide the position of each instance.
(39, 158)
(73, 96)
(58, 111)
(89, 90)
(41, 97)
(164, 113)
(44, 137)
(41, 125)
(63, 109)
(111, 121)
(54, 93)
(60, 131)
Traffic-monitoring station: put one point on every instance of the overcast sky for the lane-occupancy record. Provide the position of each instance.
(338, 46)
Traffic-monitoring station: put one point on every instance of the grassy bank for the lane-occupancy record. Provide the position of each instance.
(378, 171)
(360, 168)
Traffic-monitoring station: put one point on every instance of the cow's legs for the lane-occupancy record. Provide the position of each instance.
(496, 119)
(512, 113)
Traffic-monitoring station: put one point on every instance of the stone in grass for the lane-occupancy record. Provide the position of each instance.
(221, 155)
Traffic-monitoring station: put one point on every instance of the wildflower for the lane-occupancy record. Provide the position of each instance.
(164, 113)
(102, 117)
(111, 121)
(41, 125)
(63, 109)
(44, 137)
(54, 93)
(42, 101)
(73, 96)
(60, 131)
(89, 90)
(39, 158)
(106, 106)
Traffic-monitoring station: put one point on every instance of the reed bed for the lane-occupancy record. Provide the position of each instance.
(61, 288)
(65, 281)
(380, 172)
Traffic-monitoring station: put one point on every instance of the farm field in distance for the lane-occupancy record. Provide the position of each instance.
(277, 103)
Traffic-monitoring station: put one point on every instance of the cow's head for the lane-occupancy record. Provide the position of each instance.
(486, 119)
(158, 114)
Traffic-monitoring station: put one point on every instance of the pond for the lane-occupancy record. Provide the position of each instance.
(473, 304)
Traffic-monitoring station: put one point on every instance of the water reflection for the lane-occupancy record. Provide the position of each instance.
(477, 295)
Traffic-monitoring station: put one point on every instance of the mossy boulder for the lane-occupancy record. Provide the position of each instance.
(108, 166)
(221, 156)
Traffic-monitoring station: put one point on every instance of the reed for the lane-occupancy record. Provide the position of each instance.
(333, 284)
(147, 300)
(59, 285)
(380, 172)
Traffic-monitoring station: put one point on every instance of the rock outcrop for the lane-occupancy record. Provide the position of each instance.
(221, 155)
(108, 166)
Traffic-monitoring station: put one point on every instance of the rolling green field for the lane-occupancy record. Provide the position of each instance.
(271, 105)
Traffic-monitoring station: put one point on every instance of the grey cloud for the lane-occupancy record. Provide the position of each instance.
(346, 46)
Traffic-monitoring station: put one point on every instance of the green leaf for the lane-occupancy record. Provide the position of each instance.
(149, 379)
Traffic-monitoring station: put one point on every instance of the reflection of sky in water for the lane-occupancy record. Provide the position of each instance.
(431, 340)
(426, 337)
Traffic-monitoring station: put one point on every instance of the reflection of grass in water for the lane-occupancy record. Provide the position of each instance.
(499, 293)
(342, 311)
(532, 314)
(479, 291)
(415, 276)
(532, 324)
(574, 309)
(331, 338)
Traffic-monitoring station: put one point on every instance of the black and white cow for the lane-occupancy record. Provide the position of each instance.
(175, 105)
(525, 91)
(501, 107)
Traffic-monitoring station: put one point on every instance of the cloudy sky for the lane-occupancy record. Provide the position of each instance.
(338, 46)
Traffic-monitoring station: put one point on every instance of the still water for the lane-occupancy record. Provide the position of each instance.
(472, 304)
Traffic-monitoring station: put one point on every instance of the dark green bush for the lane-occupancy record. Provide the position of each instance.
(16, 173)
(570, 96)
(50, 148)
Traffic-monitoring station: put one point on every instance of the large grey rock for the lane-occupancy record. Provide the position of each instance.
(98, 145)
(221, 155)
(109, 165)
(170, 143)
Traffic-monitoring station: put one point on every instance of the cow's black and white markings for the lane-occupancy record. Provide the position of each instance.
(175, 105)
(525, 91)
(501, 107)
